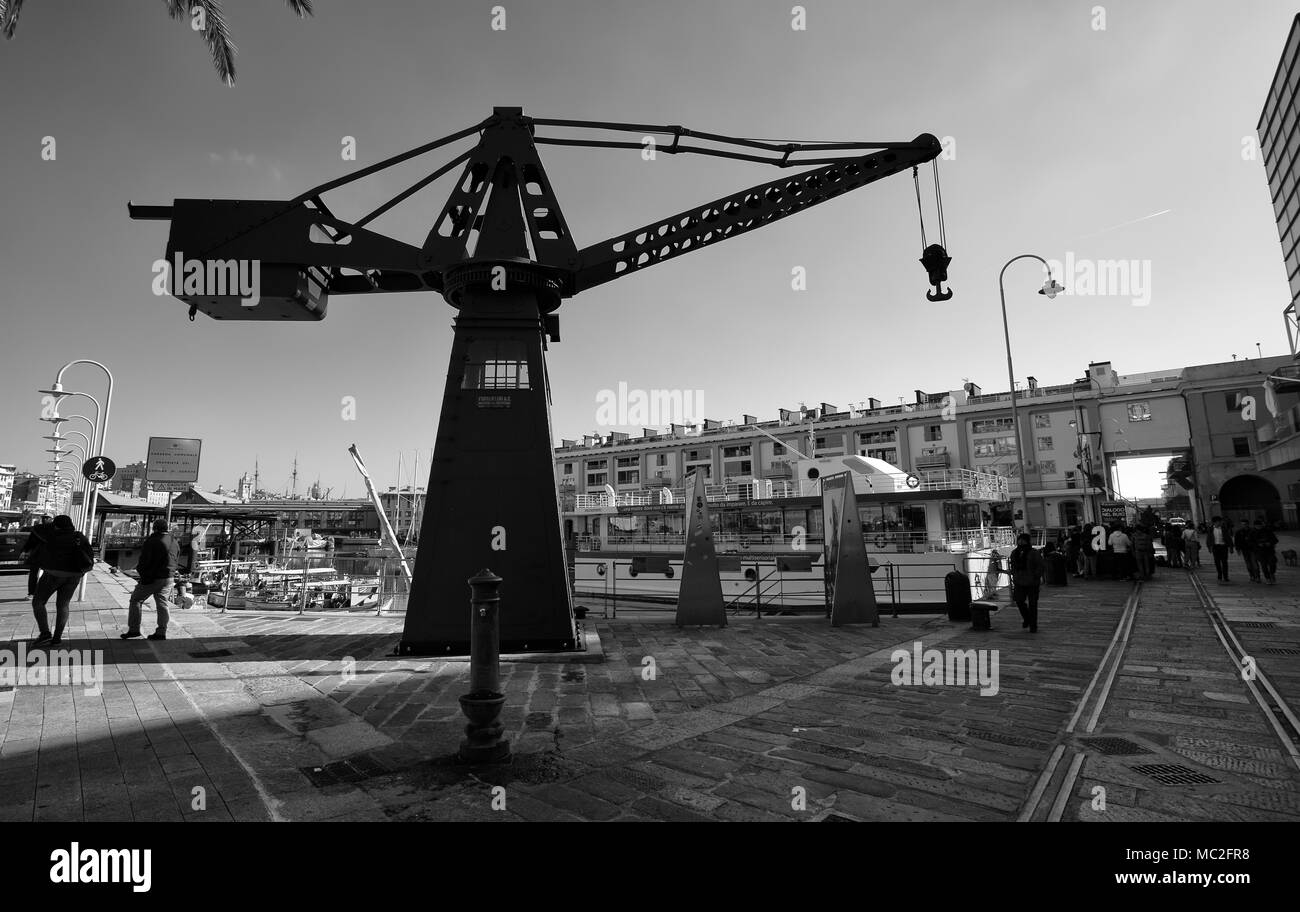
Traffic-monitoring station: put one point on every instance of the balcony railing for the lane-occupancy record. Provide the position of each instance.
(904, 542)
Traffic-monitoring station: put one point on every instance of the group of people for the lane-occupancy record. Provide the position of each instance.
(1122, 551)
(58, 556)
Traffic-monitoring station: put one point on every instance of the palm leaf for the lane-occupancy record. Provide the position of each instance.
(216, 34)
(9, 16)
(301, 8)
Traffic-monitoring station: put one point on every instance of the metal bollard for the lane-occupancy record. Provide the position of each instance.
(482, 705)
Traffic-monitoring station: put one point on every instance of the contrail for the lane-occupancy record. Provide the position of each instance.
(1130, 222)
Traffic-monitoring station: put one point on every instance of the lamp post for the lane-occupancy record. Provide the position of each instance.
(1051, 289)
(96, 442)
(101, 437)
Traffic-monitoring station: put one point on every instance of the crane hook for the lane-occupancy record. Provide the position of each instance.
(935, 260)
(193, 310)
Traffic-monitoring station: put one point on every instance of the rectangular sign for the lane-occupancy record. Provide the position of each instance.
(1112, 511)
(176, 487)
(173, 459)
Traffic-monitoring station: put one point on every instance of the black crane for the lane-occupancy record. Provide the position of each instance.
(501, 253)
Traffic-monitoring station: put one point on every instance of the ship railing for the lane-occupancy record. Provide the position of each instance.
(892, 541)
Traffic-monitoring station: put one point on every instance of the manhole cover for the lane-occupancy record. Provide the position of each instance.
(1279, 650)
(1258, 625)
(1012, 740)
(353, 769)
(1114, 747)
(211, 654)
(1174, 774)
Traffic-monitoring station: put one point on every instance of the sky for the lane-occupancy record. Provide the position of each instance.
(1069, 141)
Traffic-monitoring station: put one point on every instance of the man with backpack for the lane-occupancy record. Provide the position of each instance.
(64, 557)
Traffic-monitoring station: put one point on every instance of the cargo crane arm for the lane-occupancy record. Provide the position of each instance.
(502, 210)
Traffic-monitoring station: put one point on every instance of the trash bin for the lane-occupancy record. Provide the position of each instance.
(956, 588)
(980, 612)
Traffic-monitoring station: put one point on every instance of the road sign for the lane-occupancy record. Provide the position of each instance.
(98, 469)
(173, 459)
(1112, 511)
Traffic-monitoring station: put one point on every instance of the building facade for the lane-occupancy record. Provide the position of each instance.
(1279, 143)
(7, 473)
(1073, 436)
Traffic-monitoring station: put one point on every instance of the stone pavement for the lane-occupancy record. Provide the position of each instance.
(292, 717)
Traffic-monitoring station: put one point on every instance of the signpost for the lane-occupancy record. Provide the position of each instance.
(172, 461)
(98, 469)
(1112, 511)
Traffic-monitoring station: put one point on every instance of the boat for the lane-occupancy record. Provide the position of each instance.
(917, 528)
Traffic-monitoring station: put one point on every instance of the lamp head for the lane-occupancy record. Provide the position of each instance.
(56, 390)
(1051, 288)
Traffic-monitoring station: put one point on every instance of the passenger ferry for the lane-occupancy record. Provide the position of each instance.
(768, 535)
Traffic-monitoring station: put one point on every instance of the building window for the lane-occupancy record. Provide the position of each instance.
(734, 452)
(629, 462)
(866, 438)
(1047, 466)
(629, 477)
(1139, 411)
(995, 446)
(661, 459)
(778, 449)
(1240, 446)
(1042, 421)
(1233, 400)
(888, 454)
(933, 433)
(990, 425)
(1045, 443)
(568, 468)
(596, 472)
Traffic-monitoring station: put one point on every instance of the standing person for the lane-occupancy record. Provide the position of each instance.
(1174, 546)
(1027, 570)
(1265, 551)
(64, 559)
(1192, 548)
(1120, 544)
(1220, 543)
(31, 548)
(1073, 552)
(1244, 541)
(1089, 563)
(155, 567)
(1144, 550)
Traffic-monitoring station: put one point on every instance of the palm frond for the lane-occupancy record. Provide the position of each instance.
(301, 8)
(9, 16)
(216, 34)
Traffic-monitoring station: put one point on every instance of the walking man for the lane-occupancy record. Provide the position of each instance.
(1027, 570)
(1192, 548)
(1120, 544)
(1244, 541)
(1144, 549)
(1220, 543)
(1265, 551)
(64, 558)
(31, 548)
(154, 569)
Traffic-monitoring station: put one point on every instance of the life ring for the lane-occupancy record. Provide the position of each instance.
(631, 571)
(669, 573)
(880, 542)
(600, 569)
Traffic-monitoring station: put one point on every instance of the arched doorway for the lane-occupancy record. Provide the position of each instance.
(1071, 513)
(1246, 498)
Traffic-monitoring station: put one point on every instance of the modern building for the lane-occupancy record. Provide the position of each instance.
(1072, 434)
(1279, 143)
(7, 473)
(129, 479)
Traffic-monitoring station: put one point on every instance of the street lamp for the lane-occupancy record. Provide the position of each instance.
(1051, 288)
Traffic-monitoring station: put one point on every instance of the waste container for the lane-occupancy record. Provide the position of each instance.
(956, 588)
(981, 613)
(1056, 572)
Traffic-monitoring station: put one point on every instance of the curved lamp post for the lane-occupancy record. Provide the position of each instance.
(1051, 289)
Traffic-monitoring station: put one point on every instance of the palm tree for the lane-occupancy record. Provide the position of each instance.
(215, 33)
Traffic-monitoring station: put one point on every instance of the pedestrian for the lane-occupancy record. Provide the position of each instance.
(1144, 551)
(1174, 546)
(31, 548)
(1220, 543)
(1056, 572)
(65, 556)
(154, 570)
(1027, 570)
(1120, 544)
(1244, 541)
(1192, 548)
(1074, 552)
(1265, 551)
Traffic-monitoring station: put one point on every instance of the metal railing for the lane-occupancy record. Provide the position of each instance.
(951, 541)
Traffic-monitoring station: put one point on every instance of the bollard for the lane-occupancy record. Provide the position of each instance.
(482, 705)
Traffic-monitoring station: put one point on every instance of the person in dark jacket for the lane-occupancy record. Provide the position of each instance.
(1265, 551)
(1244, 541)
(64, 557)
(1027, 569)
(1144, 551)
(35, 539)
(154, 570)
